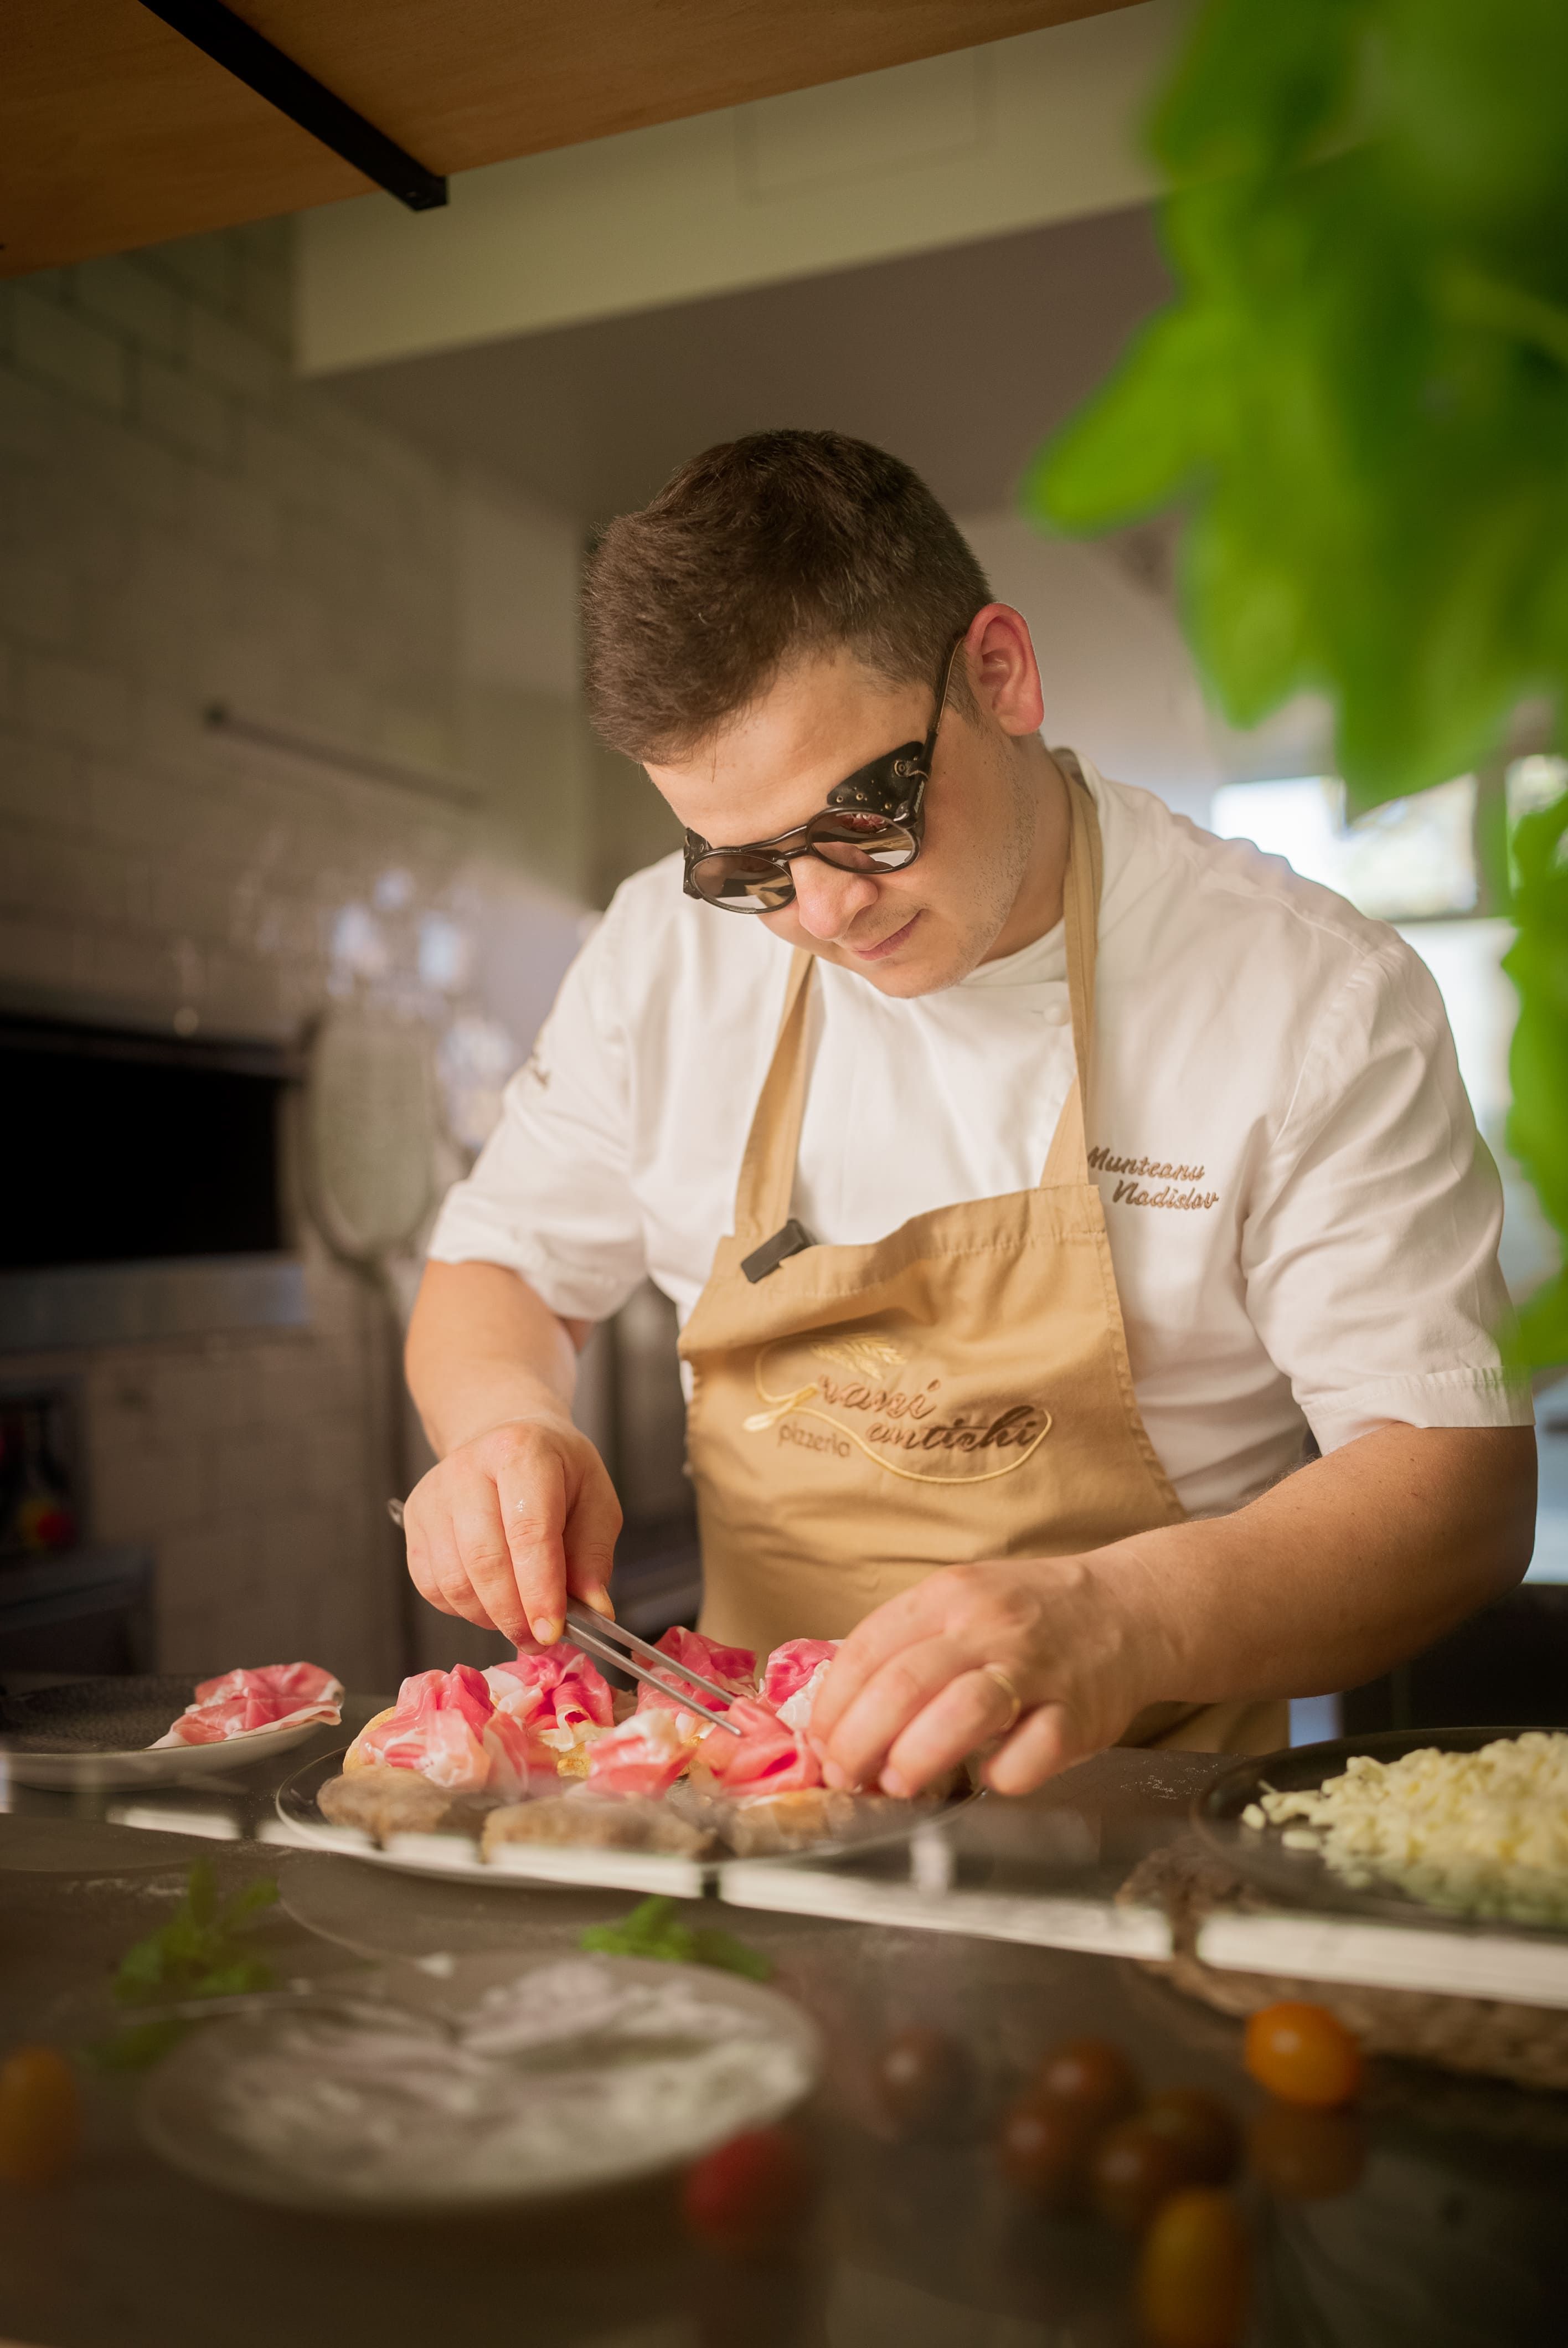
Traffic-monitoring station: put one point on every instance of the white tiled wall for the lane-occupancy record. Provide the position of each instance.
(182, 523)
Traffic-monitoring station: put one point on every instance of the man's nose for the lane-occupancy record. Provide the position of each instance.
(825, 900)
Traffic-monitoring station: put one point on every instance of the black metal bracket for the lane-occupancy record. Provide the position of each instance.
(792, 1240)
(252, 59)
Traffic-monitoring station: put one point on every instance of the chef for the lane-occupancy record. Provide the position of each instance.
(1085, 1256)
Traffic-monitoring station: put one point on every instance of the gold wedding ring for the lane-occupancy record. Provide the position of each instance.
(995, 1671)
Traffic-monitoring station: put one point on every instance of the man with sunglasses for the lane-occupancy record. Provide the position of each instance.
(1042, 1186)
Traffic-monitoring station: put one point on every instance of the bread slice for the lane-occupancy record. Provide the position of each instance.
(596, 1821)
(383, 1802)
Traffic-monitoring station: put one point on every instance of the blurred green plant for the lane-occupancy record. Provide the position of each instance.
(1359, 395)
(204, 1951)
(655, 1930)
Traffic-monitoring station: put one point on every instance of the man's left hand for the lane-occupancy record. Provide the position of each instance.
(908, 1694)
(1324, 1580)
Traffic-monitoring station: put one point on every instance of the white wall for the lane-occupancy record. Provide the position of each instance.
(184, 523)
(1120, 684)
(1007, 136)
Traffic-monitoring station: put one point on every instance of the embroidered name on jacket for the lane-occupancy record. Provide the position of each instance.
(1136, 1173)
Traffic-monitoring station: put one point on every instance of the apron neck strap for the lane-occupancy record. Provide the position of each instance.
(1068, 1157)
(767, 1168)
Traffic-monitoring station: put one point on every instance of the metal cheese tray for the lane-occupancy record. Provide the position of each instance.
(1262, 1859)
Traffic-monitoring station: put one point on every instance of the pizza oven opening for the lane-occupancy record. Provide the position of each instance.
(127, 1147)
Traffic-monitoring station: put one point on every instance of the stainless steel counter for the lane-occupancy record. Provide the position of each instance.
(1450, 2237)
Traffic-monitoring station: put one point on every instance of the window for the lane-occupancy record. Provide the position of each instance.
(1410, 859)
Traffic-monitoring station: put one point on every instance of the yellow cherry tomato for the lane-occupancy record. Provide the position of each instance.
(1192, 2283)
(40, 2117)
(1303, 2054)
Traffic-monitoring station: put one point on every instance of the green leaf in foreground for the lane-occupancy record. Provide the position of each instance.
(134, 2049)
(653, 1929)
(203, 1951)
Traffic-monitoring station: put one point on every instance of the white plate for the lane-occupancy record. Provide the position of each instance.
(167, 1765)
(618, 2070)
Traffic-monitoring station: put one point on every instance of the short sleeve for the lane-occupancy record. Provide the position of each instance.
(550, 1195)
(1369, 1249)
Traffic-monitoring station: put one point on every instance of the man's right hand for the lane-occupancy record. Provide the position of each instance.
(511, 1523)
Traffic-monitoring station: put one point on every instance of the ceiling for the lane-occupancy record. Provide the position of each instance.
(959, 361)
(116, 131)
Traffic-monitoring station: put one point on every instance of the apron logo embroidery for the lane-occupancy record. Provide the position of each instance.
(904, 1420)
(1128, 1194)
(870, 1356)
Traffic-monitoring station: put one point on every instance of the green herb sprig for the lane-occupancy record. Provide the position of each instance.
(204, 1951)
(653, 1929)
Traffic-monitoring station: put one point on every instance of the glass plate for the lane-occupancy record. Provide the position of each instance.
(458, 1855)
(1301, 1876)
(641, 2068)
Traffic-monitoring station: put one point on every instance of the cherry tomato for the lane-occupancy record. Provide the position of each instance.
(1303, 2054)
(1303, 2155)
(1044, 2148)
(1204, 2131)
(40, 2117)
(1134, 2169)
(1093, 2075)
(922, 2079)
(1192, 2283)
(748, 2196)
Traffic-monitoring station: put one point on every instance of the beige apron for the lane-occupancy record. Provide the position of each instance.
(958, 1390)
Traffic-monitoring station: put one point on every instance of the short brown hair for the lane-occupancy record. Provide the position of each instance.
(758, 549)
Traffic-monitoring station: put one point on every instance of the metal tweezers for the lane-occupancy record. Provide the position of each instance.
(610, 1642)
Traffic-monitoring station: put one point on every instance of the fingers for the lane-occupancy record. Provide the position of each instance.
(488, 1530)
(892, 1628)
(969, 1710)
(1044, 1743)
(484, 1560)
(532, 1491)
(591, 1531)
(435, 1561)
(423, 1568)
(853, 1751)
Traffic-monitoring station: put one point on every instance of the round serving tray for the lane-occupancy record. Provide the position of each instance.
(1300, 1877)
(94, 1736)
(458, 1855)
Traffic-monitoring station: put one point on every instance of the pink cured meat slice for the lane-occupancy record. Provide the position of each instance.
(769, 1757)
(552, 1687)
(265, 1697)
(644, 1756)
(734, 1668)
(445, 1727)
(794, 1673)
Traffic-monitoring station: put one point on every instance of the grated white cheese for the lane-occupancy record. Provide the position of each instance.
(1480, 1834)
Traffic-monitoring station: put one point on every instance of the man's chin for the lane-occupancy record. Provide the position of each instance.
(925, 969)
(924, 964)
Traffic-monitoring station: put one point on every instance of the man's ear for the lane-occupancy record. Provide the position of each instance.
(1004, 675)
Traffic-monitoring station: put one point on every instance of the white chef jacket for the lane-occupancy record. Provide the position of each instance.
(1303, 1218)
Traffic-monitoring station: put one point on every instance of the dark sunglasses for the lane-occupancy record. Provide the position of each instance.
(874, 821)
